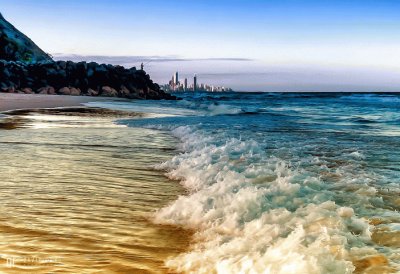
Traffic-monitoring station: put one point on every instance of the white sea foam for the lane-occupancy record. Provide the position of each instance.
(223, 109)
(212, 109)
(254, 214)
(357, 155)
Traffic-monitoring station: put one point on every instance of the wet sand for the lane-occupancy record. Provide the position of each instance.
(86, 190)
(15, 106)
(12, 101)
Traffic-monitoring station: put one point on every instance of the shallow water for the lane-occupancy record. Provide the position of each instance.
(267, 183)
(77, 194)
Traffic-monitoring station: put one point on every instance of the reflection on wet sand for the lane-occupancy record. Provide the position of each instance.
(11, 123)
(79, 199)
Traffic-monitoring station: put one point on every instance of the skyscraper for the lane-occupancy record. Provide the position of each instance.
(195, 82)
(176, 79)
(185, 85)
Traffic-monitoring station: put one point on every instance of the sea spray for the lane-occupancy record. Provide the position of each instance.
(318, 168)
(253, 213)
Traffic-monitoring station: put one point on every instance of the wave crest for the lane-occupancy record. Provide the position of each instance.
(252, 213)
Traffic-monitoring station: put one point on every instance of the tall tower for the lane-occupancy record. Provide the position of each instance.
(185, 85)
(176, 78)
(195, 82)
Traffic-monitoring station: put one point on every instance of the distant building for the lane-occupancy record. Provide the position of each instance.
(174, 85)
(195, 82)
(176, 79)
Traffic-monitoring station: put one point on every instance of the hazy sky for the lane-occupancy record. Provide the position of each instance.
(282, 45)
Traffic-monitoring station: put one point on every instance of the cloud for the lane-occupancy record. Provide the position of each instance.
(247, 73)
(223, 59)
(139, 59)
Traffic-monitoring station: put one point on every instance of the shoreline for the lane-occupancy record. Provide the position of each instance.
(13, 101)
(13, 108)
(118, 181)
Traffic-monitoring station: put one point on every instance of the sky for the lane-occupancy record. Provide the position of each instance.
(249, 45)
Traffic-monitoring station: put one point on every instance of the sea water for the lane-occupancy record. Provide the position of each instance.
(77, 193)
(283, 182)
(213, 183)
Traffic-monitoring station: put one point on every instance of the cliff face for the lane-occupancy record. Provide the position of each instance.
(16, 46)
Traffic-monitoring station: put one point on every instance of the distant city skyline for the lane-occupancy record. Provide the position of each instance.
(250, 45)
(175, 84)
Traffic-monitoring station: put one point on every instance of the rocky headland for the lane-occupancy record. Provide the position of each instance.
(25, 68)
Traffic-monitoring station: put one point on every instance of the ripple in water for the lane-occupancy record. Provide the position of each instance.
(77, 194)
(289, 183)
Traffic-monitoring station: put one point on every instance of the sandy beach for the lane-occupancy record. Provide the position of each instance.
(13, 101)
(87, 189)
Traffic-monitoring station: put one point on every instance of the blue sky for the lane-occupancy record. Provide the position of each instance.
(284, 45)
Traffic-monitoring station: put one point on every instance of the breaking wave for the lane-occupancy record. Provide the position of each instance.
(255, 213)
(212, 108)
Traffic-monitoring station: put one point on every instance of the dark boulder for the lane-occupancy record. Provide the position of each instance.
(69, 78)
(47, 90)
(107, 91)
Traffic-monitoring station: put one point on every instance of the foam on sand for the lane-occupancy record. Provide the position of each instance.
(254, 213)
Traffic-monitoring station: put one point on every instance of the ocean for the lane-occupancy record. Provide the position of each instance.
(213, 183)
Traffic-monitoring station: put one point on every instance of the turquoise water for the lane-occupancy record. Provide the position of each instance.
(282, 183)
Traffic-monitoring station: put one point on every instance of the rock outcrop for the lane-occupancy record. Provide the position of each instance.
(69, 78)
(16, 46)
(25, 68)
